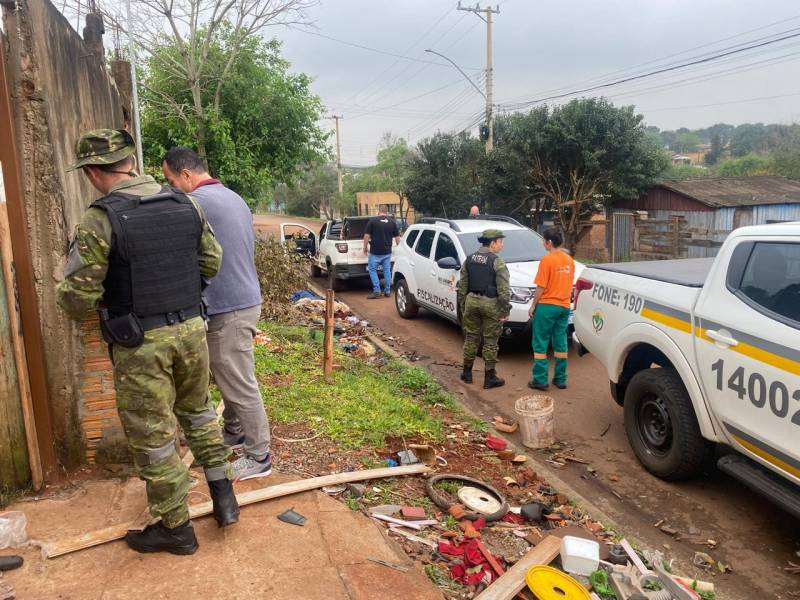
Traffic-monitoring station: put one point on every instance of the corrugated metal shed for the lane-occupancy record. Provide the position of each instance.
(704, 193)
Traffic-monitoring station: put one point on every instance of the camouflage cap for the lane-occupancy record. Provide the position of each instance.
(490, 234)
(102, 147)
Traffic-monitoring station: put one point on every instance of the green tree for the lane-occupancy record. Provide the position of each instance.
(750, 165)
(787, 163)
(586, 153)
(684, 172)
(712, 156)
(686, 142)
(314, 193)
(748, 138)
(745, 166)
(444, 174)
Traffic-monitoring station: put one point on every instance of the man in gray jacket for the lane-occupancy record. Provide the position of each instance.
(234, 308)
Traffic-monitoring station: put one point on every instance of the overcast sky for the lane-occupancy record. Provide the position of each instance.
(540, 46)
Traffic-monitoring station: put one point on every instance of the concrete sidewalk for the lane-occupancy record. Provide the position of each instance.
(260, 557)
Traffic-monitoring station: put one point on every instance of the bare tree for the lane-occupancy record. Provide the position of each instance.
(190, 26)
(573, 196)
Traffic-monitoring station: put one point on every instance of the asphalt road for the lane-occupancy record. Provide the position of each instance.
(753, 537)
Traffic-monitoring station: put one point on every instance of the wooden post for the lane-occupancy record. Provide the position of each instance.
(25, 276)
(327, 349)
(6, 267)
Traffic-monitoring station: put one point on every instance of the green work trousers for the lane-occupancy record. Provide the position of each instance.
(550, 327)
(481, 319)
(159, 384)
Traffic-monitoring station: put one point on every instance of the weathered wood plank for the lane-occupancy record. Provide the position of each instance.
(116, 532)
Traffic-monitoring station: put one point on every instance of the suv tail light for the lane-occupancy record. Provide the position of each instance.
(580, 285)
(342, 248)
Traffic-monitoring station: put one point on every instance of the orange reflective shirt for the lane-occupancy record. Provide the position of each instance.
(556, 274)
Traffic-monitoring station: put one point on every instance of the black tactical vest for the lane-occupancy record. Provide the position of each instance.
(153, 264)
(480, 268)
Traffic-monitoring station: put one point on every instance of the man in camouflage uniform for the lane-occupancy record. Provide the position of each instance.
(140, 255)
(484, 297)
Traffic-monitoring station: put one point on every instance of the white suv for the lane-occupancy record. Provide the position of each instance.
(428, 259)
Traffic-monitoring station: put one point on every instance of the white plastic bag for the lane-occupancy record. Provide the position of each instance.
(12, 529)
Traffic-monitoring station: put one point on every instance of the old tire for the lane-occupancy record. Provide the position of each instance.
(661, 425)
(404, 301)
(315, 271)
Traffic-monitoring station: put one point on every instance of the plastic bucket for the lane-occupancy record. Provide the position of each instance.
(536, 420)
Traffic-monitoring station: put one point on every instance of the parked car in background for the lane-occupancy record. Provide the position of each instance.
(430, 255)
(337, 250)
(704, 355)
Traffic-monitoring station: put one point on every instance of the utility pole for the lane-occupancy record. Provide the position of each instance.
(338, 152)
(137, 124)
(488, 12)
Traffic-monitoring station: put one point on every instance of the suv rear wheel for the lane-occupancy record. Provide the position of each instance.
(661, 425)
(404, 301)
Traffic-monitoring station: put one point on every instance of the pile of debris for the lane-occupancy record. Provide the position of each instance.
(349, 330)
(477, 540)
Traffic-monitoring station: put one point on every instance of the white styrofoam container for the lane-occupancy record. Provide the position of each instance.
(579, 556)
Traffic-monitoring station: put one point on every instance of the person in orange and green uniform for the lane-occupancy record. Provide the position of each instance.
(550, 311)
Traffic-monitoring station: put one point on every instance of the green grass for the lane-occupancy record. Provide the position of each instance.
(363, 406)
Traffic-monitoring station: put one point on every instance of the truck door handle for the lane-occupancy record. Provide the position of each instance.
(722, 339)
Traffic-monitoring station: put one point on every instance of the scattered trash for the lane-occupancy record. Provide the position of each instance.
(536, 420)
(390, 462)
(479, 500)
(425, 453)
(386, 563)
(303, 294)
(548, 583)
(505, 425)
(9, 563)
(534, 511)
(414, 513)
(386, 510)
(444, 504)
(12, 529)
(334, 489)
(496, 443)
(703, 560)
(356, 490)
(292, 517)
(617, 555)
(579, 556)
(407, 457)
(519, 459)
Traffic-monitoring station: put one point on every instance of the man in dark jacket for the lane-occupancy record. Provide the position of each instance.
(378, 236)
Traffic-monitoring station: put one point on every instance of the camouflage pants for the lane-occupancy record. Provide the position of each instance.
(481, 319)
(159, 384)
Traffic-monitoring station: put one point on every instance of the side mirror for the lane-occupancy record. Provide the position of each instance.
(448, 262)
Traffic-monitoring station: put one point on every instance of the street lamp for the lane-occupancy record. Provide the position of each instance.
(472, 83)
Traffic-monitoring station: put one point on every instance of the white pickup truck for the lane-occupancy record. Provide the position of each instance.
(704, 355)
(337, 250)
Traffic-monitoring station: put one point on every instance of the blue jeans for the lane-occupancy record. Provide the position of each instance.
(385, 260)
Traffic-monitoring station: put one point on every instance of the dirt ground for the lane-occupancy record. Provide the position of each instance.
(753, 537)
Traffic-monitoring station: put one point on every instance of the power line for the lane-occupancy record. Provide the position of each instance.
(659, 71)
(376, 50)
(743, 101)
(632, 69)
(391, 66)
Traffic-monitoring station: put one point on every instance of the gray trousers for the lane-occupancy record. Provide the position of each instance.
(230, 349)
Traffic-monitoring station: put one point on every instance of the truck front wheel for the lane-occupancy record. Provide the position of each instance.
(661, 425)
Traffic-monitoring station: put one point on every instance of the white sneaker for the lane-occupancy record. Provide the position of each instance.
(247, 467)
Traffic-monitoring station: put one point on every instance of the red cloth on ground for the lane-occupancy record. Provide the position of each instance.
(472, 557)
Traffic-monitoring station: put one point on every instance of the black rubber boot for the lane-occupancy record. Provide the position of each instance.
(466, 374)
(492, 380)
(157, 538)
(226, 508)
